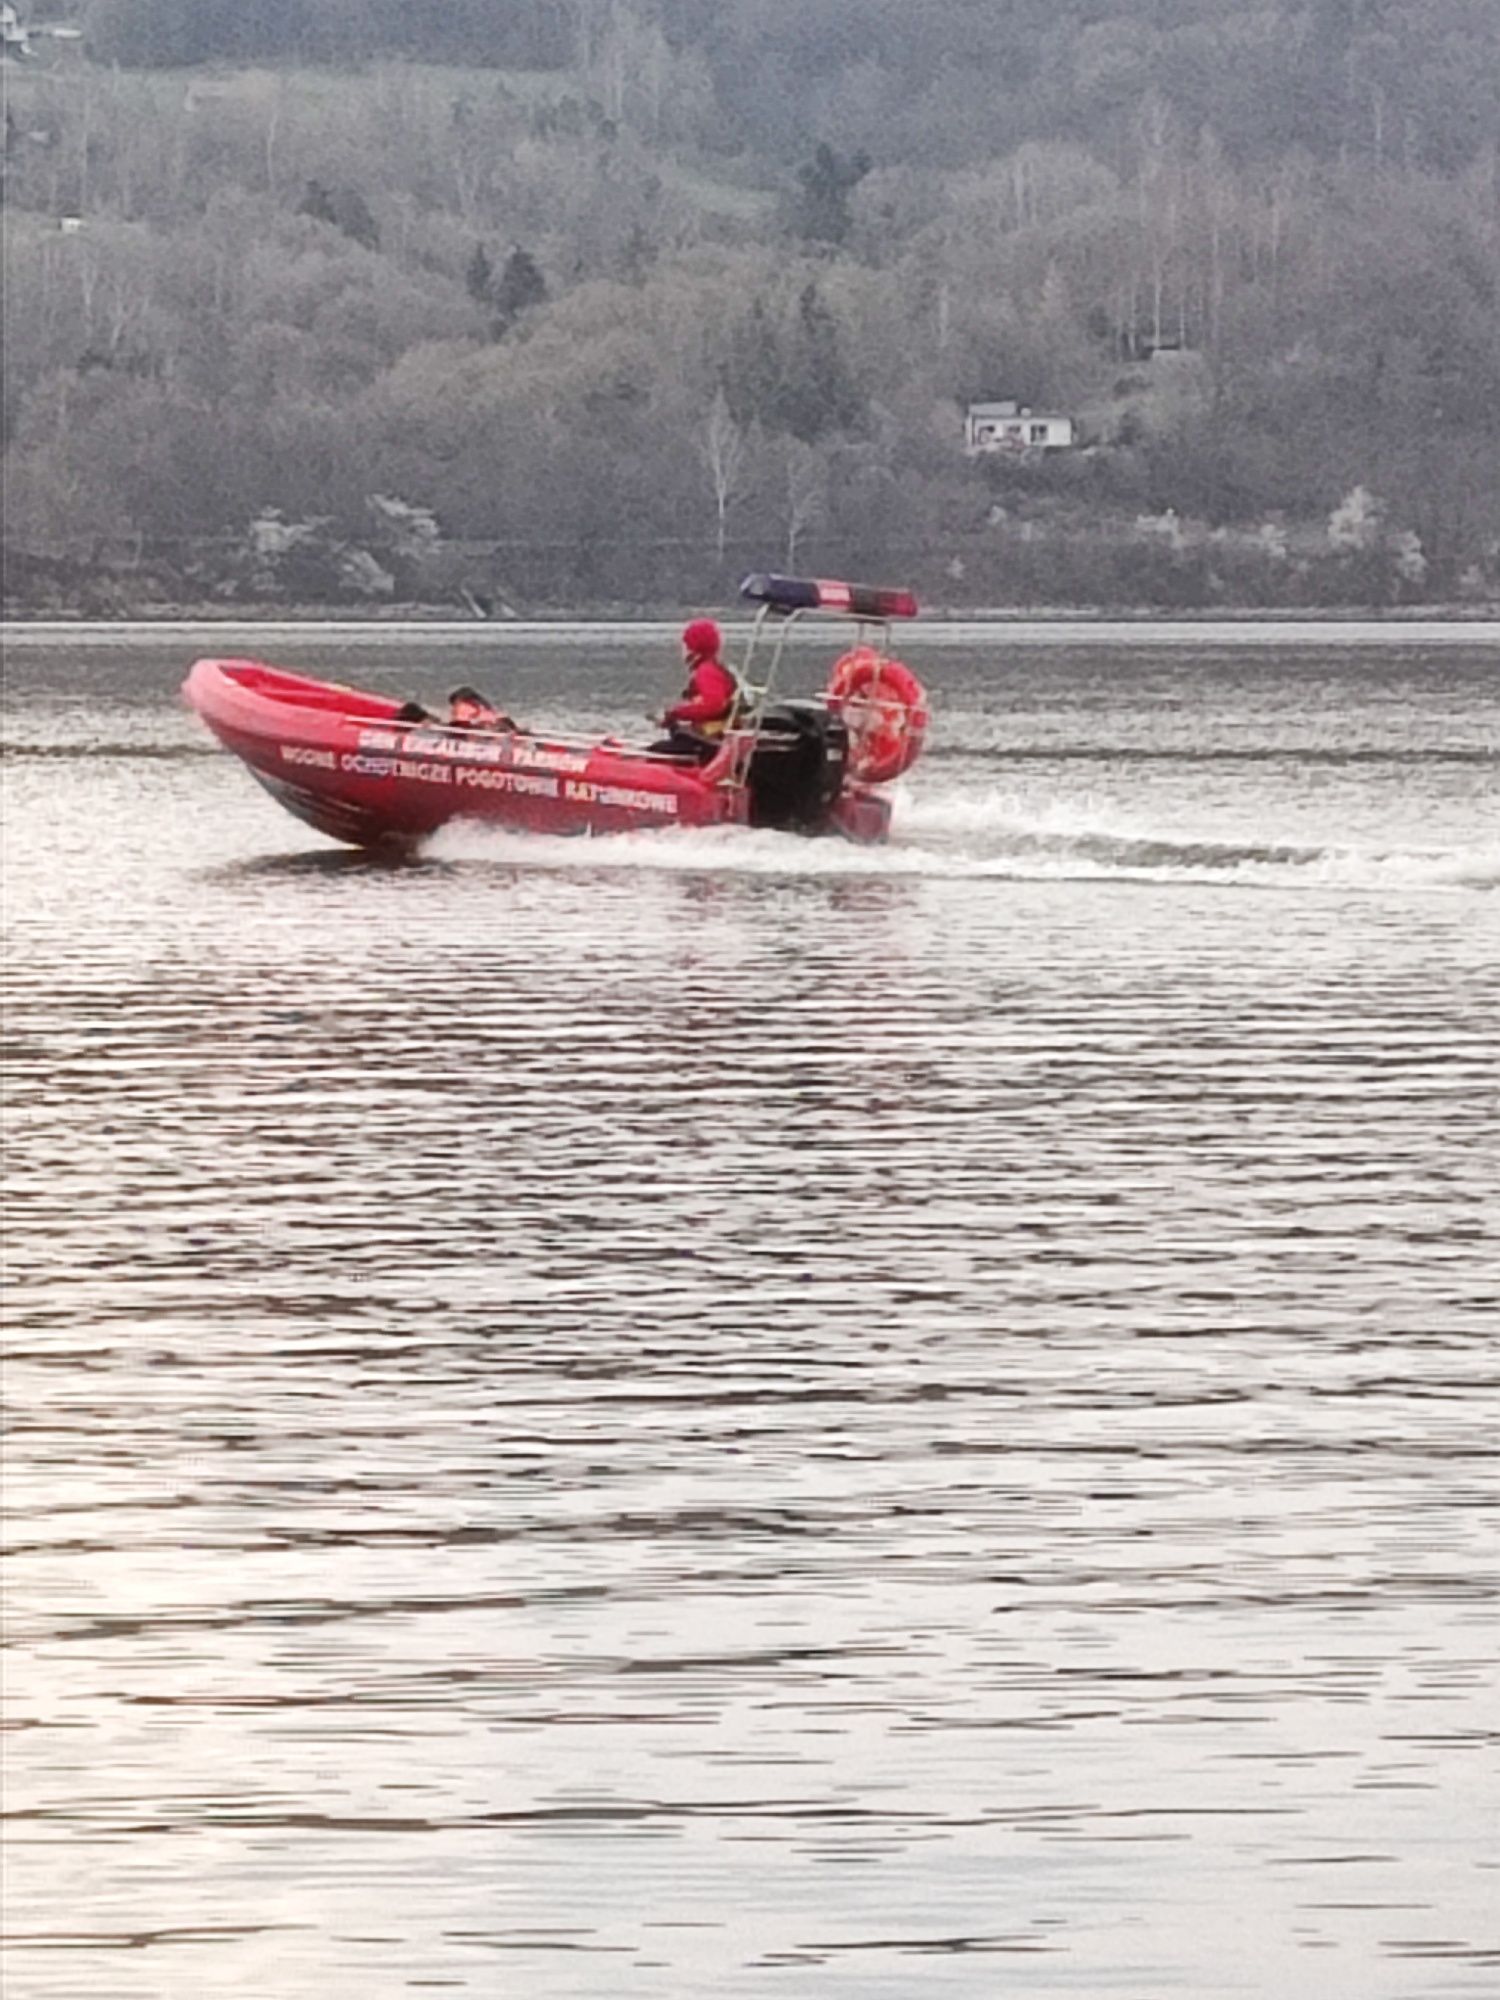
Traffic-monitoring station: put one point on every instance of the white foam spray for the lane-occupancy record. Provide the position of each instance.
(962, 835)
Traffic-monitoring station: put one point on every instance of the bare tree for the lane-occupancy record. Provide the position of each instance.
(806, 494)
(721, 444)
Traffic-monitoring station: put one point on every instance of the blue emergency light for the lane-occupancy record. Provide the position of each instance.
(855, 600)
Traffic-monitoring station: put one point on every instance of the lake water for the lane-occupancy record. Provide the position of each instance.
(714, 1413)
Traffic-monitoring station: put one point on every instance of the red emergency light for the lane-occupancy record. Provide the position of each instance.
(855, 600)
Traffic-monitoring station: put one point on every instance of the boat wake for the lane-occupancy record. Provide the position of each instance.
(958, 835)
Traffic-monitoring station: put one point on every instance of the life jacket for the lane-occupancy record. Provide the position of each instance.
(707, 711)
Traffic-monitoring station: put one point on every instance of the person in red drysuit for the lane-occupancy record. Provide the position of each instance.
(696, 723)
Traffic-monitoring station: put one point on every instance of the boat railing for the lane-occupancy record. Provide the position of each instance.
(770, 632)
(564, 746)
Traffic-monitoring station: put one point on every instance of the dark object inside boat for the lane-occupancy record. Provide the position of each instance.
(797, 768)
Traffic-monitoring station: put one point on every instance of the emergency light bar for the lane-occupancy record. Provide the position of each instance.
(800, 593)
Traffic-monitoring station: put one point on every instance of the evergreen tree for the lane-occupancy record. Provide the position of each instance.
(638, 256)
(752, 371)
(521, 286)
(343, 209)
(318, 203)
(821, 213)
(479, 278)
(352, 214)
(819, 394)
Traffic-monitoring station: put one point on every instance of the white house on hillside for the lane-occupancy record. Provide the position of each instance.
(17, 39)
(14, 40)
(1009, 426)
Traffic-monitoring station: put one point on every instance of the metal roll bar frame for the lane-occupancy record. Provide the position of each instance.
(773, 624)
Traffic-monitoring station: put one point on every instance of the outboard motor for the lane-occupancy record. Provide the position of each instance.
(797, 767)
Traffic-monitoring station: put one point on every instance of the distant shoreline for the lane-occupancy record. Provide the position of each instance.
(428, 614)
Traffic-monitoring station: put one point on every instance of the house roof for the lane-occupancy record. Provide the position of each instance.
(1019, 411)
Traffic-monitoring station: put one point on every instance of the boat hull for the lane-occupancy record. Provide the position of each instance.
(343, 761)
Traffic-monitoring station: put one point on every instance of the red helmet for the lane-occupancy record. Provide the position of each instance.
(702, 639)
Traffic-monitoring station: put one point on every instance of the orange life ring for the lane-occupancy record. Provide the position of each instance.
(884, 707)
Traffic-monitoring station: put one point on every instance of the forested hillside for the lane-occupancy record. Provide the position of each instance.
(597, 301)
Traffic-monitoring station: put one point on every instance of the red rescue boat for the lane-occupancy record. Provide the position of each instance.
(356, 767)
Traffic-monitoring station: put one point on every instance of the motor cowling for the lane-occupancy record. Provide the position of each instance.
(883, 706)
(797, 769)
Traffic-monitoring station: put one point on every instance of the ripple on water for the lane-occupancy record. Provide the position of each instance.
(721, 1413)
